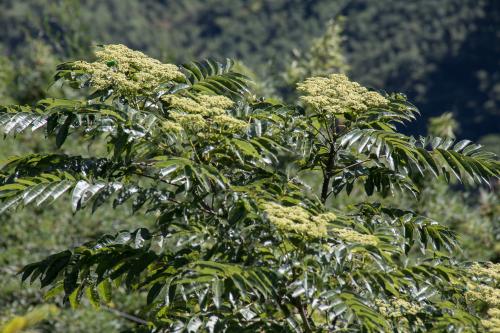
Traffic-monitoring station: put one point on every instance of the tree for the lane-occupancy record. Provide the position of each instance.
(438, 52)
(241, 242)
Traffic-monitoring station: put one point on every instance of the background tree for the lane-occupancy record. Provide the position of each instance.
(443, 55)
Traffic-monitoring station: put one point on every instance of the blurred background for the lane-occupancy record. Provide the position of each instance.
(445, 55)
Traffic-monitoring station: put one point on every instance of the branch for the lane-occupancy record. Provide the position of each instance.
(328, 174)
(126, 315)
(350, 166)
(303, 315)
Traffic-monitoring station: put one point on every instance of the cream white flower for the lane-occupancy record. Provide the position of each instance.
(489, 270)
(484, 293)
(204, 114)
(492, 323)
(336, 94)
(353, 236)
(297, 220)
(127, 71)
(397, 307)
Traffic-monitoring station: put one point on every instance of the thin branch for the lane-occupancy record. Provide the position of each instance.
(350, 166)
(303, 315)
(327, 173)
(154, 178)
(126, 315)
(347, 167)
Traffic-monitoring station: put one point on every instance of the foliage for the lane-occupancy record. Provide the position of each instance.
(491, 141)
(47, 22)
(448, 25)
(471, 213)
(474, 215)
(6, 74)
(444, 125)
(32, 72)
(32, 234)
(21, 323)
(442, 54)
(324, 56)
(438, 52)
(240, 241)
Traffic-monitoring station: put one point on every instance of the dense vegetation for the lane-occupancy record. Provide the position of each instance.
(240, 240)
(441, 54)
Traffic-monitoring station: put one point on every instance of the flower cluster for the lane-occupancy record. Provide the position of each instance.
(324, 218)
(353, 236)
(397, 307)
(202, 113)
(336, 94)
(484, 293)
(127, 71)
(489, 270)
(484, 289)
(298, 220)
(492, 323)
(205, 105)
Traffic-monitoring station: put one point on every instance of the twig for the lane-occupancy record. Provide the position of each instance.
(350, 166)
(327, 173)
(303, 315)
(126, 315)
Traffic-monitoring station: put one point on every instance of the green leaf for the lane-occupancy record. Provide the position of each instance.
(93, 296)
(104, 290)
(217, 291)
